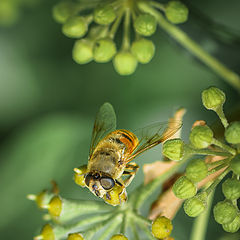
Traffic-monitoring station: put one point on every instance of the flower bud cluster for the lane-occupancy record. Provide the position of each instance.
(95, 23)
(202, 142)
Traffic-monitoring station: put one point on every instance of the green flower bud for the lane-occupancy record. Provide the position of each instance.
(63, 10)
(125, 63)
(104, 50)
(118, 237)
(184, 188)
(47, 233)
(201, 136)
(224, 212)
(231, 189)
(176, 12)
(161, 227)
(143, 50)
(145, 24)
(75, 27)
(104, 14)
(233, 226)
(196, 170)
(194, 206)
(75, 236)
(235, 164)
(83, 51)
(213, 98)
(173, 149)
(232, 133)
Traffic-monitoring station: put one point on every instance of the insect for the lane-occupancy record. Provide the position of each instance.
(110, 170)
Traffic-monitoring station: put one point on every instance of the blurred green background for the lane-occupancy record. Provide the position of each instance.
(48, 103)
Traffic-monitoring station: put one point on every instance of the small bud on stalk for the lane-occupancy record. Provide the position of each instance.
(125, 63)
(75, 27)
(235, 164)
(233, 226)
(224, 212)
(145, 24)
(232, 133)
(173, 149)
(184, 188)
(118, 237)
(63, 10)
(143, 50)
(75, 236)
(196, 170)
(83, 51)
(213, 98)
(104, 14)
(161, 227)
(176, 12)
(201, 136)
(104, 50)
(231, 189)
(194, 206)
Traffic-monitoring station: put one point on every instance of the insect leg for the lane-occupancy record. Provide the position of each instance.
(130, 171)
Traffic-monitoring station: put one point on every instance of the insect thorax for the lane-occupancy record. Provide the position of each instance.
(111, 154)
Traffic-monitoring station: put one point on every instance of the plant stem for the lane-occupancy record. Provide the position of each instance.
(222, 117)
(231, 77)
(224, 146)
(217, 181)
(209, 152)
(200, 224)
(114, 223)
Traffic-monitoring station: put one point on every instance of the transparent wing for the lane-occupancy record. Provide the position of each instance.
(105, 122)
(153, 135)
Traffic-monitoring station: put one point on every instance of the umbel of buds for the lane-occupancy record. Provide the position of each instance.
(99, 21)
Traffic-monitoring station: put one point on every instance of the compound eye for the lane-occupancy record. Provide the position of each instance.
(87, 179)
(107, 183)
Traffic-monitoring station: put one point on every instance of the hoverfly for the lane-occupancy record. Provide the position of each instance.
(110, 170)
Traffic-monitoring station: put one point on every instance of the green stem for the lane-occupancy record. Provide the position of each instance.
(200, 224)
(126, 30)
(208, 152)
(222, 117)
(74, 208)
(134, 230)
(116, 24)
(146, 231)
(227, 74)
(217, 181)
(224, 146)
(114, 224)
(217, 163)
(60, 231)
(90, 232)
(219, 167)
